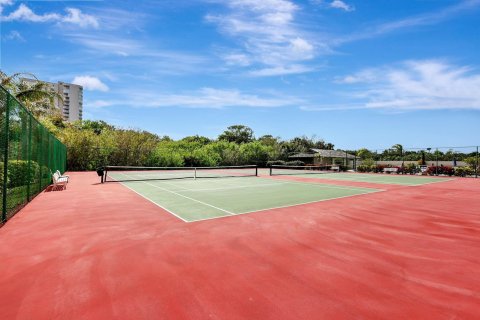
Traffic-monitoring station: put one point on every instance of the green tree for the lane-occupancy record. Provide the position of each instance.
(269, 140)
(197, 139)
(98, 126)
(238, 134)
(37, 96)
(254, 153)
(397, 149)
(365, 154)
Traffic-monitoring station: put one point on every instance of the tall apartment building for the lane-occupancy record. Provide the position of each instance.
(71, 104)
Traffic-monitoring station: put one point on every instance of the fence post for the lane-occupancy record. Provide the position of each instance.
(29, 156)
(5, 160)
(476, 166)
(40, 159)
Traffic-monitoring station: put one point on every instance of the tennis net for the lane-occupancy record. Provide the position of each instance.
(129, 173)
(276, 170)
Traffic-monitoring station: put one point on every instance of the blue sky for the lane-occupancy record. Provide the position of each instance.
(355, 73)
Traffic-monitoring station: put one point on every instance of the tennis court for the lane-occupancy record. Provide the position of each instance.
(199, 199)
(396, 179)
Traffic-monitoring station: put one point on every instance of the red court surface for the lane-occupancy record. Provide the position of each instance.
(103, 252)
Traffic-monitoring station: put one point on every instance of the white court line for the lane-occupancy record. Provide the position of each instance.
(238, 187)
(155, 203)
(362, 179)
(324, 185)
(419, 185)
(290, 205)
(186, 197)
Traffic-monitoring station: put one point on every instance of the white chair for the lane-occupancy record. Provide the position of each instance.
(60, 175)
(59, 181)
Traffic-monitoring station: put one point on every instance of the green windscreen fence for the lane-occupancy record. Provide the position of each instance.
(29, 154)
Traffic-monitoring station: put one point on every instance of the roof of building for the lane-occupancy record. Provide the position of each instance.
(333, 153)
(324, 153)
(303, 155)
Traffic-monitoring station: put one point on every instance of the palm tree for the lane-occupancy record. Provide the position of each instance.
(37, 96)
(398, 149)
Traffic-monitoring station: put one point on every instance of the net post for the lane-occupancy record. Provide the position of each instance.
(270, 170)
(195, 173)
(256, 171)
(5, 160)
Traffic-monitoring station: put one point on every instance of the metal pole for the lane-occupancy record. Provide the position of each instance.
(436, 167)
(5, 160)
(29, 156)
(403, 160)
(476, 166)
(41, 157)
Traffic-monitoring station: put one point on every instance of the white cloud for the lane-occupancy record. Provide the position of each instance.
(367, 75)
(208, 98)
(14, 35)
(73, 16)
(429, 18)
(238, 59)
(98, 104)
(280, 70)
(4, 3)
(217, 99)
(24, 13)
(90, 83)
(339, 4)
(414, 85)
(267, 33)
(140, 55)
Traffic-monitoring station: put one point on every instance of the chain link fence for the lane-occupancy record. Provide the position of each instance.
(29, 154)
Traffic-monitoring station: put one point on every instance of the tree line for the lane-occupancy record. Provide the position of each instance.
(398, 153)
(92, 144)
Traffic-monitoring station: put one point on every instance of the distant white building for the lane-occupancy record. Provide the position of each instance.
(72, 105)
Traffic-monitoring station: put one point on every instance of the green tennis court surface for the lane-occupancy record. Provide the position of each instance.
(371, 178)
(200, 199)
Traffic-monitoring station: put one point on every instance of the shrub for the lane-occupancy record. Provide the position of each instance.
(443, 170)
(464, 171)
(275, 163)
(411, 168)
(364, 168)
(295, 163)
(18, 173)
(368, 165)
(471, 161)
